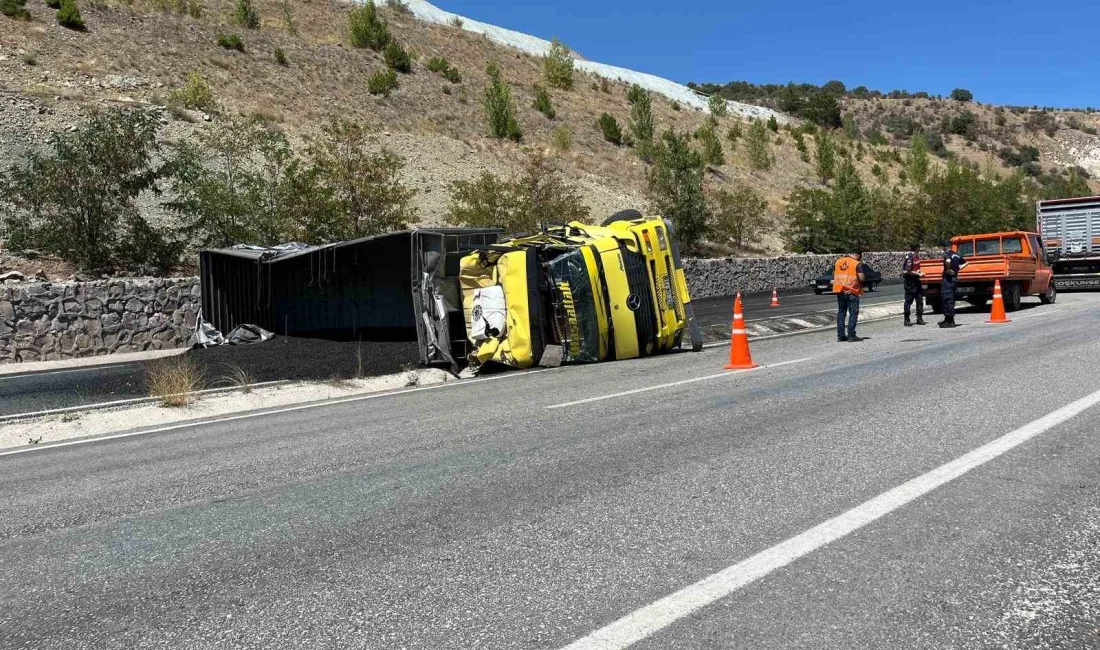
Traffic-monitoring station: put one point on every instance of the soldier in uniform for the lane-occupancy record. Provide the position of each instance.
(911, 272)
(848, 286)
(952, 262)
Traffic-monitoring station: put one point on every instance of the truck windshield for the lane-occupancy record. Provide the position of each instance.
(576, 316)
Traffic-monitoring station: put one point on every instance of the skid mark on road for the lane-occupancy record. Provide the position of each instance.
(652, 618)
(683, 382)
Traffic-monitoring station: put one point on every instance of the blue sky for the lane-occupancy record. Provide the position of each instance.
(1008, 52)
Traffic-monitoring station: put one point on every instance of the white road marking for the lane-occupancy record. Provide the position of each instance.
(654, 617)
(682, 382)
(258, 414)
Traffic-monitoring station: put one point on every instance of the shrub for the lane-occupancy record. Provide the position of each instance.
(53, 4)
(563, 139)
(437, 64)
(757, 146)
(676, 187)
(15, 9)
(500, 110)
(962, 95)
(610, 128)
(382, 82)
(540, 194)
(823, 110)
(734, 133)
(542, 102)
(773, 124)
(636, 93)
(558, 66)
(280, 57)
(231, 42)
(367, 28)
(739, 216)
(452, 75)
(68, 16)
(30, 59)
(718, 106)
(825, 158)
(641, 120)
(288, 18)
(457, 22)
(398, 6)
(964, 124)
(174, 380)
(195, 94)
(246, 15)
(675, 106)
(397, 57)
(605, 86)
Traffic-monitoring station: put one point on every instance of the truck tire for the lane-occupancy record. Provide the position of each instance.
(622, 215)
(1050, 296)
(936, 305)
(1012, 296)
(978, 301)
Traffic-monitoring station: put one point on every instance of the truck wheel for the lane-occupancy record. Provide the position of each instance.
(622, 215)
(978, 301)
(1012, 296)
(1050, 296)
(936, 305)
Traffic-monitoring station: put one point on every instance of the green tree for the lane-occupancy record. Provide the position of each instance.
(917, 162)
(806, 215)
(823, 110)
(773, 124)
(195, 94)
(382, 82)
(718, 106)
(791, 100)
(500, 110)
(536, 196)
(610, 128)
(77, 199)
(365, 184)
(641, 120)
(676, 187)
(758, 146)
(69, 16)
(15, 9)
(367, 27)
(962, 95)
(739, 215)
(229, 188)
(542, 102)
(246, 15)
(707, 135)
(558, 66)
(825, 157)
(397, 58)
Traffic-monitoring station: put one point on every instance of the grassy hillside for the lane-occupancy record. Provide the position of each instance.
(298, 70)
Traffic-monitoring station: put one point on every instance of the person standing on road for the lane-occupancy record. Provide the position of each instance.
(848, 286)
(910, 271)
(952, 262)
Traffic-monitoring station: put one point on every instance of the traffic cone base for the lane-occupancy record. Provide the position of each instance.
(997, 313)
(775, 297)
(740, 357)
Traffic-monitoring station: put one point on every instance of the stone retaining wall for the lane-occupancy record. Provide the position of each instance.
(41, 321)
(708, 278)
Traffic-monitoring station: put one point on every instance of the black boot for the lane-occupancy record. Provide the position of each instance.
(908, 323)
(946, 322)
(920, 319)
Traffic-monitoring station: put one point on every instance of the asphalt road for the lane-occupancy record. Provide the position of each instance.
(494, 514)
(30, 393)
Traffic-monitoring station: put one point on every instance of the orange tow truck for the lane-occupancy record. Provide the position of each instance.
(1015, 258)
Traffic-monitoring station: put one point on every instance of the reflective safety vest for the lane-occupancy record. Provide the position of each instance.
(846, 276)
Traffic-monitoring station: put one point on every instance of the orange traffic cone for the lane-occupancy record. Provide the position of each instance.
(775, 297)
(997, 314)
(740, 358)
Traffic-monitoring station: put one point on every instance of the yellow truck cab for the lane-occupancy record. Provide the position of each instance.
(578, 293)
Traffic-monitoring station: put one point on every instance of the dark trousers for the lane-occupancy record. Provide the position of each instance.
(847, 306)
(913, 294)
(947, 294)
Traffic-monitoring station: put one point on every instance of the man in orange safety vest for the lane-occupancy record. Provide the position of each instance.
(848, 287)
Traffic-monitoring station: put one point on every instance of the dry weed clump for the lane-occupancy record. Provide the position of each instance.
(174, 380)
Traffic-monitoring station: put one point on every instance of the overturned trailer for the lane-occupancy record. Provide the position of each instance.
(400, 286)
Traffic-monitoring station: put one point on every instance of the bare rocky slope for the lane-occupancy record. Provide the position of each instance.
(135, 53)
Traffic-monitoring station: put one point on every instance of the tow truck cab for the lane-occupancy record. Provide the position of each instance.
(578, 293)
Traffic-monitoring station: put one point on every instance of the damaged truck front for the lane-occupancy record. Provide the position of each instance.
(577, 293)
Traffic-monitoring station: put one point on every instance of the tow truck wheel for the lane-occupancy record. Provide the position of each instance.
(1050, 296)
(1012, 296)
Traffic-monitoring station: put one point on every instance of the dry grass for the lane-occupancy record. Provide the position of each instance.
(238, 377)
(174, 380)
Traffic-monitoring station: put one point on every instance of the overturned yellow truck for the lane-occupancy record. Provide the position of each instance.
(577, 293)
